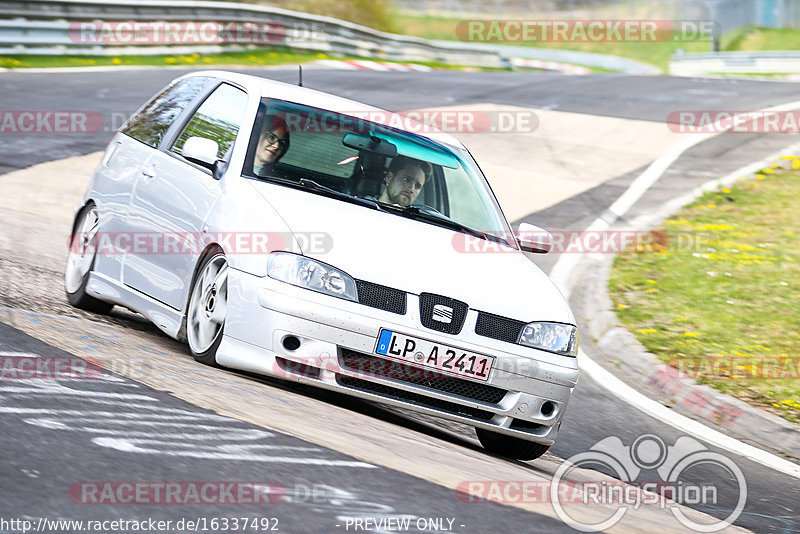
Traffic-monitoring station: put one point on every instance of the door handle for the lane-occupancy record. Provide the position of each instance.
(149, 171)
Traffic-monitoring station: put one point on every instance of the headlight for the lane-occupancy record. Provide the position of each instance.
(310, 274)
(554, 337)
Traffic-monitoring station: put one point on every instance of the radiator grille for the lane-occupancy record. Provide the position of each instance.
(497, 327)
(393, 370)
(415, 398)
(381, 297)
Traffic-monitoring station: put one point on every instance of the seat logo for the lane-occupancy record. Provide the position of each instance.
(442, 313)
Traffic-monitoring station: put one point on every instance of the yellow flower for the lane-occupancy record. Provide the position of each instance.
(690, 334)
(768, 171)
(116, 61)
(651, 290)
(726, 190)
(647, 331)
(622, 306)
(651, 281)
(322, 56)
(171, 60)
(760, 176)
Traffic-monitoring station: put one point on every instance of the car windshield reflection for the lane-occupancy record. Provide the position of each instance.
(373, 165)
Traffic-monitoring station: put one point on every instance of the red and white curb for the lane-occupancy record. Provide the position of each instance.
(360, 64)
(566, 68)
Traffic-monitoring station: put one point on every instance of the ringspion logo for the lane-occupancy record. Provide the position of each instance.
(646, 472)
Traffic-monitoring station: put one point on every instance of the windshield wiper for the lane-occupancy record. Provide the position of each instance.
(315, 186)
(432, 215)
(311, 184)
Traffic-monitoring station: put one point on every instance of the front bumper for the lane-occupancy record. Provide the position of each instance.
(292, 333)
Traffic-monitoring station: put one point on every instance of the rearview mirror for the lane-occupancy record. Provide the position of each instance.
(532, 238)
(371, 143)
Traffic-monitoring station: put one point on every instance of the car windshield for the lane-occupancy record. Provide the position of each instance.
(374, 165)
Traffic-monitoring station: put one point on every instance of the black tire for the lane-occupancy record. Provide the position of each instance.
(80, 246)
(509, 446)
(201, 307)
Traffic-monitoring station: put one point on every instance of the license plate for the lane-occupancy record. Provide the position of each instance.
(432, 355)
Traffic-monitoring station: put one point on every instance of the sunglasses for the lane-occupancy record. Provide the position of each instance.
(271, 139)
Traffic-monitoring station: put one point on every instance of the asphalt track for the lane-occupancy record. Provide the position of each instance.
(299, 487)
(594, 414)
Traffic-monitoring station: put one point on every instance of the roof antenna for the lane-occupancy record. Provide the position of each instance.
(300, 81)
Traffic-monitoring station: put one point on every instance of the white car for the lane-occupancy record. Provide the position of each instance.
(292, 233)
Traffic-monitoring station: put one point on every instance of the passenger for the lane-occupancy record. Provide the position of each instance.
(272, 144)
(404, 180)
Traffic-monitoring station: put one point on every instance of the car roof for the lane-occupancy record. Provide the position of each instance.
(311, 97)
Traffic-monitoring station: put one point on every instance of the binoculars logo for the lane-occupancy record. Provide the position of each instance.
(685, 473)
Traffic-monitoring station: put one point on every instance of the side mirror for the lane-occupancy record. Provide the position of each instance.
(532, 238)
(202, 151)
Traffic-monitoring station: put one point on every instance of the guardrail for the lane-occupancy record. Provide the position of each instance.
(43, 27)
(48, 27)
(775, 62)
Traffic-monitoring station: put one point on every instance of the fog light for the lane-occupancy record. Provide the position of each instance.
(291, 343)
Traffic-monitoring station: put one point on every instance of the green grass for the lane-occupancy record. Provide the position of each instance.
(725, 291)
(255, 57)
(251, 57)
(757, 39)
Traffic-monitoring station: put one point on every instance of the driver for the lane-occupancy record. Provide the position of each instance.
(404, 180)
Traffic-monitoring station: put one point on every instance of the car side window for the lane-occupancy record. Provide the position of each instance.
(150, 124)
(218, 119)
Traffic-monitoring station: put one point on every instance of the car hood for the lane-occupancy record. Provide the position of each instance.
(415, 256)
